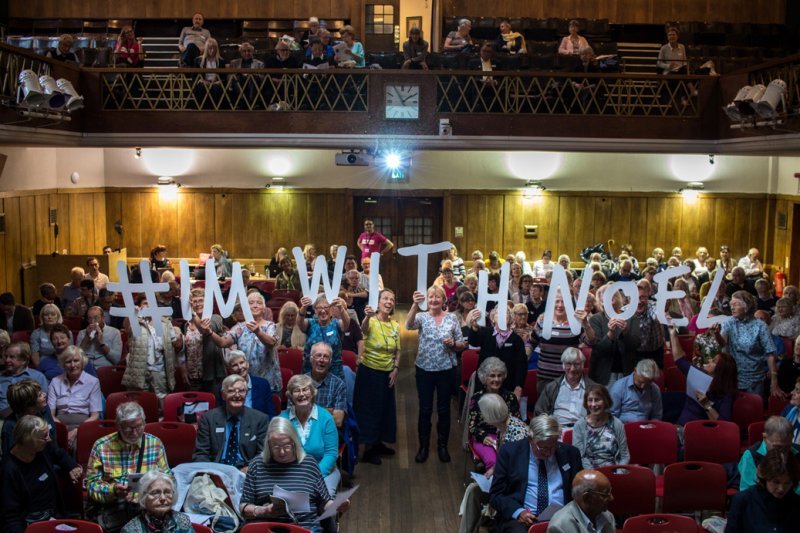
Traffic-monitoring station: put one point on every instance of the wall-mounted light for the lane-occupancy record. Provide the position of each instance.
(533, 188)
(692, 190)
(168, 187)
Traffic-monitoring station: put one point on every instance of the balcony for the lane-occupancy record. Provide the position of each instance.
(341, 107)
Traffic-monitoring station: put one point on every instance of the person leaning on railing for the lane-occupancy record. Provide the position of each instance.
(129, 51)
(415, 50)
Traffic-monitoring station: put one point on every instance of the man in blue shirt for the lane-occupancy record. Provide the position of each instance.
(16, 358)
(331, 390)
(635, 396)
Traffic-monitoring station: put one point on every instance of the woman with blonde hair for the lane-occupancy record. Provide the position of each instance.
(49, 316)
(289, 333)
(129, 51)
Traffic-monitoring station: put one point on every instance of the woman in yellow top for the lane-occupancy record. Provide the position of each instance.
(374, 400)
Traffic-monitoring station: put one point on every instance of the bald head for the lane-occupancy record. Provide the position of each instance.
(591, 490)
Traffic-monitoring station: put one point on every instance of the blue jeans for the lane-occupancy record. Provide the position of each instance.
(442, 383)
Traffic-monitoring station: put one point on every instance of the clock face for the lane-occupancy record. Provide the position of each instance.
(402, 101)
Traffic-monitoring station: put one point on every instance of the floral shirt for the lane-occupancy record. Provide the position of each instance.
(650, 329)
(601, 444)
(263, 362)
(433, 355)
(749, 343)
(515, 430)
(478, 428)
(193, 340)
(330, 333)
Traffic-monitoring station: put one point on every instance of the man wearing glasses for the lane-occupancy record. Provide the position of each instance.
(588, 511)
(115, 465)
(531, 475)
(231, 434)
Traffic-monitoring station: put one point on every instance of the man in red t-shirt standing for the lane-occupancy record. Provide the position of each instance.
(373, 241)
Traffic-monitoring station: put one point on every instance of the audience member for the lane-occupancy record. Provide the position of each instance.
(573, 43)
(415, 50)
(600, 436)
(561, 338)
(563, 398)
(651, 331)
(15, 317)
(374, 395)
(128, 53)
(60, 339)
(210, 86)
(286, 465)
(765, 300)
(311, 33)
(63, 52)
(792, 412)
(373, 241)
(47, 293)
(49, 316)
(288, 279)
(543, 265)
(439, 340)
(324, 327)
(317, 55)
(71, 291)
(522, 328)
(157, 496)
(786, 321)
(773, 503)
(232, 433)
(152, 357)
(509, 40)
(614, 342)
(102, 344)
(331, 390)
(25, 397)
(30, 487)
(588, 510)
(205, 367)
(74, 396)
(113, 459)
(282, 58)
(459, 40)
(222, 263)
(503, 344)
(16, 358)
(349, 52)
(192, 41)
(749, 342)
(288, 331)
(259, 392)
(257, 340)
(635, 397)
(524, 468)
(672, 56)
(777, 435)
(87, 299)
(315, 427)
(789, 370)
(751, 264)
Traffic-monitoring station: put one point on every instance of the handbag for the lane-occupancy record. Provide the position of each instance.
(190, 412)
(206, 496)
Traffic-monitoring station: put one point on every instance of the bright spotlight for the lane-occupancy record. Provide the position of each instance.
(392, 161)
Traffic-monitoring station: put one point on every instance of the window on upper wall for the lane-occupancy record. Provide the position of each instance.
(379, 19)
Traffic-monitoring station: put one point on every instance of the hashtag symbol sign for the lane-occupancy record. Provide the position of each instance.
(127, 289)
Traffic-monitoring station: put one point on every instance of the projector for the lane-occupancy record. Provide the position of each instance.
(352, 159)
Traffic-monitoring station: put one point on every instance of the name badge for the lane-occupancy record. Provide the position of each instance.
(330, 333)
(565, 468)
(43, 477)
(507, 345)
(220, 430)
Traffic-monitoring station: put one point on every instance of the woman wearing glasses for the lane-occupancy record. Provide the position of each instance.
(156, 497)
(287, 465)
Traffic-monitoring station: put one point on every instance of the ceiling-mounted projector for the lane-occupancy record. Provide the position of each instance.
(353, 159)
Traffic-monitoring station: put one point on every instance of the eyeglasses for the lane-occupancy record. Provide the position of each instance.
(131, 429)
(285, 448)
(159, 493)
(236, 392)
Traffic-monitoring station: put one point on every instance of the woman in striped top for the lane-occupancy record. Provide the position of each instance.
(550, 350)
(284, 464)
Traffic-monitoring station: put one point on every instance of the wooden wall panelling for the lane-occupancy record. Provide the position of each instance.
(132, 223)
(114, 213)
(575, 225)
(12, 244)
(758, 225)
(223, 220)
(3, 259)
(697, 225)
(27, 209)
(44, 231)
(724, 219)
(603, 215)
(740, 231)
(638, 232)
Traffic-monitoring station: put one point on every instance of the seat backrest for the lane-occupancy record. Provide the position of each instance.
(674, 379)
(694, 486)
(54, 526)
(148, 400)
(755, 432)
(538, 527)
(178, 439)
(175, 400)
(652, 442)
(747, 408)
(660, 523)
(714, 441)
(200, 528)
(775, 406)
(272, 527)
(21, 336)
(110, 379)
(350, 359)
(634, 489)
(469, 364)
(88, 433)
(291, 359)
(530, 391)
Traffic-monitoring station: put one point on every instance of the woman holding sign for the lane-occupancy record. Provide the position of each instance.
(324, 328)
(440, 338)
(717, 402)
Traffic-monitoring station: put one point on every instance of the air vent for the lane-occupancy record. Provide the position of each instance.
(53, 216)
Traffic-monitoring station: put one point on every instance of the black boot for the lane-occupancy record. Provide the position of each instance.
(444, 455)
(441, 445)
(422, 454)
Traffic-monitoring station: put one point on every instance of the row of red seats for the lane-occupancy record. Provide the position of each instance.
(82, 526)
(646, 523)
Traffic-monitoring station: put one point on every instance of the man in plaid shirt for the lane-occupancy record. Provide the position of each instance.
(112, 461)
(331, 389)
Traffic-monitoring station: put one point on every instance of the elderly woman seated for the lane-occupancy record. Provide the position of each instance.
(315, 426)
(491, 374)
(49, 316)
(30, 480)
(25, 397)
(285, 464)
(510, 41)
(786, 322)
(156, 497)
(74, 397)
(459, 40)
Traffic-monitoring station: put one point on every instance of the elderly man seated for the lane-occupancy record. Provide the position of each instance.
(283, 57)
(588, 510)
(231, 434)
(331, 390)
(115, 462)
(563, 398)
(14, 317)
(635, 397)
(16, 358)
(524, 468)
(102, 344)
(740, 282)
(259, 392)
(247, 84)
(777, 434)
